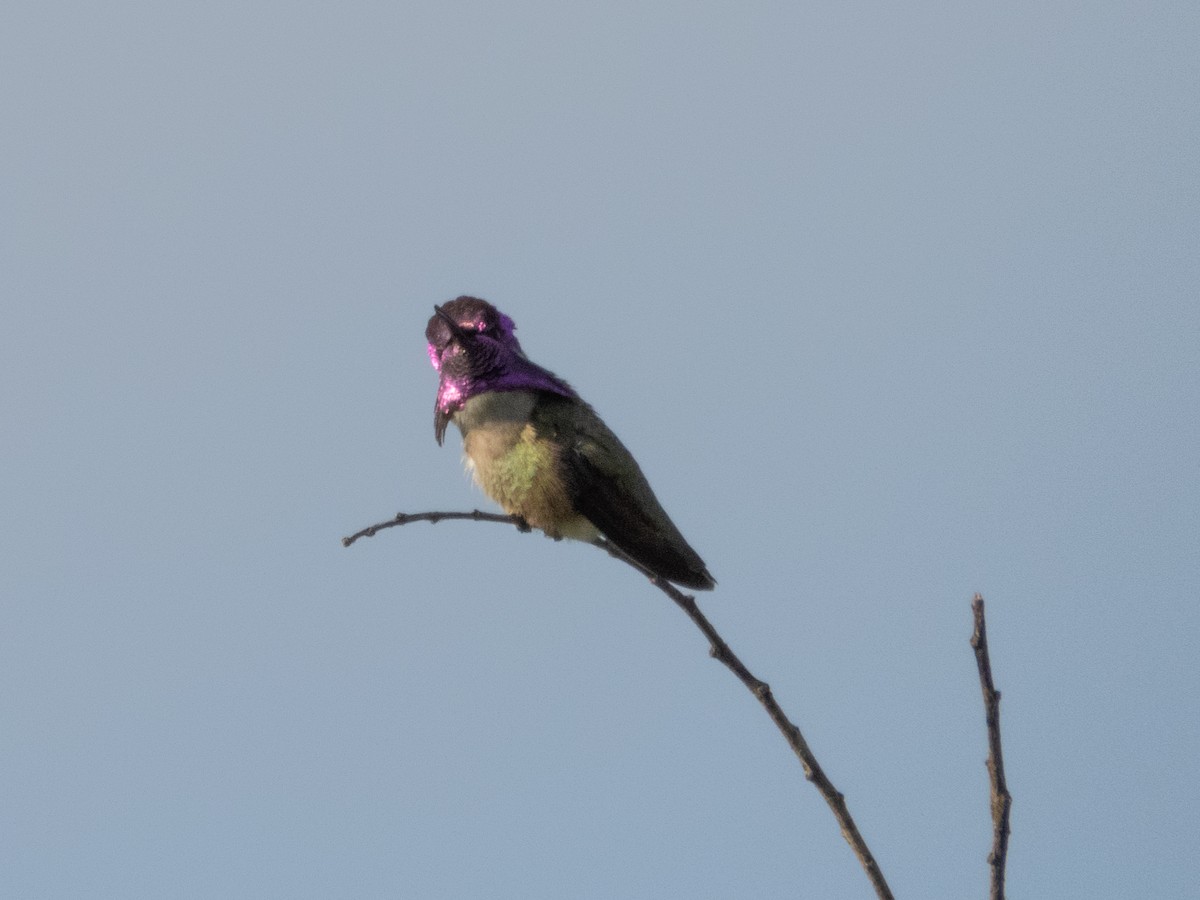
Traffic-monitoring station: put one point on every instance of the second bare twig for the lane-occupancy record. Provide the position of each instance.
(1001, 800)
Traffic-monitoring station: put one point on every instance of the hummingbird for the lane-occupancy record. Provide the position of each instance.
(536, 448)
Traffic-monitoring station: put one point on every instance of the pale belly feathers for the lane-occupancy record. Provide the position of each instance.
(516, 467)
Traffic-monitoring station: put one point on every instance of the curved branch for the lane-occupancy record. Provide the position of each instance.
(1001, 799)
(720, 651)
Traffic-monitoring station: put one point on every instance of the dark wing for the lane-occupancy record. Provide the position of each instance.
(610, 490)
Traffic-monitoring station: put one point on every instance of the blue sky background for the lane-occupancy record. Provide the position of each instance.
(893, 303)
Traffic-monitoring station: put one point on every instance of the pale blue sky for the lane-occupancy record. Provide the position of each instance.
(894, 303)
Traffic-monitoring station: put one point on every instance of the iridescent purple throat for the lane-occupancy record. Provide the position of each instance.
(511, 372)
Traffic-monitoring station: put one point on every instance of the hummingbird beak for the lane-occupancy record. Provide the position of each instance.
(440, 421)
(449, 392)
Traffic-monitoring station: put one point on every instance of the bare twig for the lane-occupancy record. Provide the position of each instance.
(718, 650)
(475, 515)
(1001, 800)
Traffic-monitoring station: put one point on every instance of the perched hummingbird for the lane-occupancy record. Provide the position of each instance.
(542, 453)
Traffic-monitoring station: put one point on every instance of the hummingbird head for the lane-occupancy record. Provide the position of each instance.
(473, 347)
